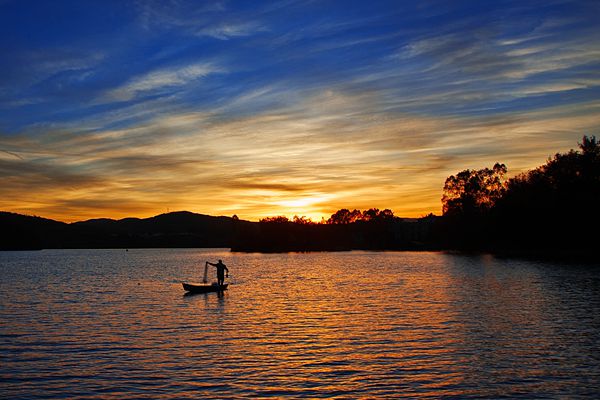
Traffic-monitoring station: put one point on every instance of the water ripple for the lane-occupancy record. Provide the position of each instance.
(89, 324)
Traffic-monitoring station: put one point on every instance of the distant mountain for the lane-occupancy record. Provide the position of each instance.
(23, 232)
(176, 229)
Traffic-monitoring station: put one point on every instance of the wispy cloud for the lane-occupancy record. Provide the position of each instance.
(323, 152)
(34, 75)
(226, 31)
(482, 54)
(159, 80)
(210, 20)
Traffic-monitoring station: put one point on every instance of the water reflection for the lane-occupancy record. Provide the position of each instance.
(113, 324)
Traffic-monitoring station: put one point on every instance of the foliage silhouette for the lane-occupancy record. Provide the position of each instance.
(553, 207)
(550, 210)
(473, 191)
(280, 219)
(372, 229)
(345, 216)
(303, 220)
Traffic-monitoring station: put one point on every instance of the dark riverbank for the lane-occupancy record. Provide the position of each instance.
(186, 229)
(189, 230)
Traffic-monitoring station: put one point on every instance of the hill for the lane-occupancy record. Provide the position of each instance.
(176, 229)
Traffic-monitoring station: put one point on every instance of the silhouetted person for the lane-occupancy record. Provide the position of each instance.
(221, 268)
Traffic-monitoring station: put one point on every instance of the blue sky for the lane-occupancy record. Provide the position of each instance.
(132, 108)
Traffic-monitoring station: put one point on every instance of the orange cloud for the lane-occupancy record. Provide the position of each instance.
(321, 154)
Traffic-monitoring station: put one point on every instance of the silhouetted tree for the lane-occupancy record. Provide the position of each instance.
(555, 205)
(280, 219)
(374, 214)
(550, 210)
(302, 220)
(345, 216)
(386, 214)
(473, 191)
(571, 179)
(370, 214)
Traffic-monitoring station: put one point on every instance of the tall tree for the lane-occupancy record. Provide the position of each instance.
(473, 191)
(345, 216)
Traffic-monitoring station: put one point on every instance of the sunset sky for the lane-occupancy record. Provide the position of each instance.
(133, 108)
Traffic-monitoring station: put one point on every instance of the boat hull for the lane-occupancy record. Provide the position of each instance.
(203, 288)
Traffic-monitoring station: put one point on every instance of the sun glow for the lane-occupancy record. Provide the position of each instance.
(304, 202)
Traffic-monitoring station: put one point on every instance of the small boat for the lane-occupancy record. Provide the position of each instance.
(203, 287)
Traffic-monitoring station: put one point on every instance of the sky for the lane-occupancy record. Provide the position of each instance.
(135, 108)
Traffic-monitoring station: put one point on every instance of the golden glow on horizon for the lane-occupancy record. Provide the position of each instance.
(335, 156)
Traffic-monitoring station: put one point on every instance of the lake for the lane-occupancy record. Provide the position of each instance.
(116, 324)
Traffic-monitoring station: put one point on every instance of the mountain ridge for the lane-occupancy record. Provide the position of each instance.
(175, 229)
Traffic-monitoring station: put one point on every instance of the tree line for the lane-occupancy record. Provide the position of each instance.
(342, 216)
(371, 229)
(552, 209)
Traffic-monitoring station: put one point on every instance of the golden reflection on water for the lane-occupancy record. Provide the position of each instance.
(351, 325)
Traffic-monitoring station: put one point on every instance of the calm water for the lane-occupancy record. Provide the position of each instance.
(115, 324)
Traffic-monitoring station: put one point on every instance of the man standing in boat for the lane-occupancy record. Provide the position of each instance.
(221, 268)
